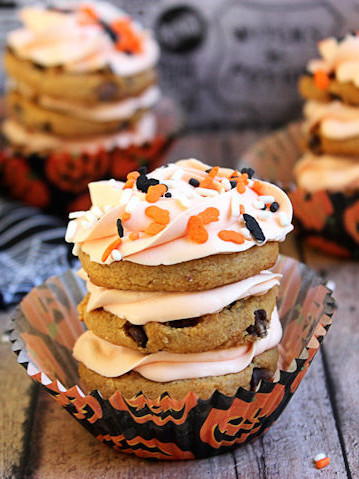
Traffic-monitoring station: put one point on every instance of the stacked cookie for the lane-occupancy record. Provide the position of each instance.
(180, 298)
(82, 82)
(331, 127)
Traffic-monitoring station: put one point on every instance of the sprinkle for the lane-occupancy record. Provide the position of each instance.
(168, 195)
(235, 174)
(249, 171)
(193, 182)
(71, 231)
(143, 183)
(258, 204)
(232, 236)
(96, 211)
(109, 249)
(233, 183)
(274, 207)
(90, 217)
(235, 211)
(86, 224)
(119, 228)
(208, 183)
(142, 170)
(134, 236)
(226, 183)
(155, 192)
(322, 463)
(116, 255)
(283, 219)
(241, 209)
(76, 249)
(321, 80)
(209, 215)
(126, 216)
(319, 457)
(154, 228)
(266, 199)
(263, 215)
(76, 214)
(159, 215)
(183, 201)
(213, 171)
(132, 204)
(206, 192)
(133, 175)
(254, 228)
(196, 230)
(257, 187)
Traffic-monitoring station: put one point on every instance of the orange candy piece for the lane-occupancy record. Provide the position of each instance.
(154, 228)
(233, 236)
(322, 463)
(89, 11)
(155, 192)
(214, 171)
(159, 215)
(321, 80)
(133, 175)
(125, 216)
(134, 236)
(196, 230)
(110, 248)
(241, 209)
(128, 39)
(209, 215)
(208, 183)
(257, 187)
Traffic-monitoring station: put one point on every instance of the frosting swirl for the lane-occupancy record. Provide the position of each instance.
(110, 360)
(140, 308)
(162, 234)
(325, 172)
(77, 40)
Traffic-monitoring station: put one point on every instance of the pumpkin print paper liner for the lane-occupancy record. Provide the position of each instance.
(46, 325)
(58, 182)
(327, 221)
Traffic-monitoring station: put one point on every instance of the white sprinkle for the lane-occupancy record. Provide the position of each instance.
(112, 182)
(90, 217)
(331, 285)
(245, 232)
(263, 215)
(96, 211)
(283, 219)
(320, 456)
(250, 183)
(183, 201)
(258, 204)
(235, 210)
(116, 255)
(125, 196)
(177, 175)
(86, 224)
(71, 231)
(266, 199)
(225, 182)
(132, 204)
(76, 214)
(206, 192)
(76, 249)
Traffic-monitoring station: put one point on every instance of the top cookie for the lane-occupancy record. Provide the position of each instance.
(185, 213)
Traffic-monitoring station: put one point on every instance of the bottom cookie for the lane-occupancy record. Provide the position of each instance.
(263, 366)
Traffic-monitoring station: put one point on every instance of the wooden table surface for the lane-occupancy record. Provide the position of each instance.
(39, 440)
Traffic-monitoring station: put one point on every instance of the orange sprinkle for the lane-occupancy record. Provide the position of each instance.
(133, 175)
(214, 171)
(155, 192)
(241, 209)
(233, 236)
(322, 463)
(89, 11)
(208, 183)
(209, 215)
(125, 216)
(257, 187)
(154, 228)
(196, 230)
(109, 249)
(241, 187)
(128, 38)
(321, 80)
(134, 236)
(129, 184)
(235, 174)
(159, 215)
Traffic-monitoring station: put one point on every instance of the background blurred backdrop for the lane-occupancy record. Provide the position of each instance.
(233, 62)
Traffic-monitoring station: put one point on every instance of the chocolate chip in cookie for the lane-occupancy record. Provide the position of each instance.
(107, 91)
(137, 333)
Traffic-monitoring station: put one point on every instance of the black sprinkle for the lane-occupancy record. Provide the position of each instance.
(142, 170)
(233, 183)
(183, 323)
(274, 207)
(250, 172)
(264, 208)
(193, 182)
(168, 195)
(119, 228)
(209, 170)
(254, 228)
(110, 32)
(143, 183)
(137, 333)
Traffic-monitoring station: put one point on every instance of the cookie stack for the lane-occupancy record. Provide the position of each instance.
(331, 127)
(180, 297)
(82, 87)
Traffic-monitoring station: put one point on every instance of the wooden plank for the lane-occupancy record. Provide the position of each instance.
(18, 395)
(341, 351)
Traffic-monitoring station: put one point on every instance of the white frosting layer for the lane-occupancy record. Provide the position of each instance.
(336, 120)
(144, 130)
(104, 112)
(143, 307)
(52, 38)
(110, 360)
(326, 172)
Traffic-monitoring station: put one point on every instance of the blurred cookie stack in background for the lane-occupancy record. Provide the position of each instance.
(327, 200)
(82, 89)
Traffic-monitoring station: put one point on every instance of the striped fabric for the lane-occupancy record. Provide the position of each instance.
(32, 248)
